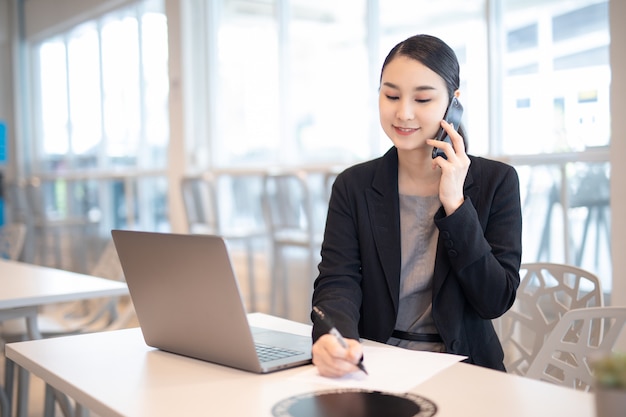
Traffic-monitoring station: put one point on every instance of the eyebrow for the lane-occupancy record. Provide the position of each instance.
(418, 88)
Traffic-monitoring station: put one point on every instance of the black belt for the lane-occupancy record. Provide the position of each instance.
(417, 337)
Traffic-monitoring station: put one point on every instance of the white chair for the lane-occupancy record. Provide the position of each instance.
(580, 337)
(546, 292)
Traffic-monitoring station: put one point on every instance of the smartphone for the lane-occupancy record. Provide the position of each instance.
(452, 116)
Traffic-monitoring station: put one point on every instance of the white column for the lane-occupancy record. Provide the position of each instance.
(617, 10)
(176, 151)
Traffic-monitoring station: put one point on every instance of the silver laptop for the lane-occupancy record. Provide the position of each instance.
(188, 302)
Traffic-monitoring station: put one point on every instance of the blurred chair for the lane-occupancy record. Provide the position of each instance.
(60, 229)
(101, 313)
(546, 292)
(291, 221)
(580, 337)
(592, 193)
(588, 190)
(200, 203)
(80, 316)
(12, 236)
(118, 311)
(203, 211)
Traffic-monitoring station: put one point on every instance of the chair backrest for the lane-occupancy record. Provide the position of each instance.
(546, 292)
(224, 203)
(12, 236)
(200, 204)
(567, 355)
(287, 202)
(108, 264)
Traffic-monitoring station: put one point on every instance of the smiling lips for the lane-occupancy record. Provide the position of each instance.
(405, 131)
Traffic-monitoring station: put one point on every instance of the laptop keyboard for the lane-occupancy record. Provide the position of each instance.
(270, 353)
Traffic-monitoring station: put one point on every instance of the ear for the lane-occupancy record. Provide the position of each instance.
(457, 93)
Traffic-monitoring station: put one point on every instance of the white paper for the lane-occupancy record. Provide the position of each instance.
(390, 369)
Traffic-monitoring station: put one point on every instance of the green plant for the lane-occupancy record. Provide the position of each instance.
(610, 371)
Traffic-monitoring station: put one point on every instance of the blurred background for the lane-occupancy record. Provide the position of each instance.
(112, 111)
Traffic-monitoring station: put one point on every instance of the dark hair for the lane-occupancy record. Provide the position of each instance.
(436, 55)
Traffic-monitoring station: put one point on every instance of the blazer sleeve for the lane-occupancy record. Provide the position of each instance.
(337, 289)
(481, 241)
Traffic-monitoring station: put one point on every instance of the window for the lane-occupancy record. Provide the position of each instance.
(285, 97)
(555, 95)
(556, 65)
(294, 82)
(329, 99)
(102, 99)
(247, 86)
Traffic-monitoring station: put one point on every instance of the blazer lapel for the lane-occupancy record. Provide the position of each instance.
(383, 206)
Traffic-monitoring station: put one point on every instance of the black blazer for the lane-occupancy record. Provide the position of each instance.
(477, 264)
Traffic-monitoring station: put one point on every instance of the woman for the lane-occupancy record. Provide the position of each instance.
(418, 252)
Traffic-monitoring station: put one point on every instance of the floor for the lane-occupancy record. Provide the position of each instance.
(300, 288)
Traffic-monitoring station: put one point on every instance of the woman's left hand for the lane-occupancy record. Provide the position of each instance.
(453, 170)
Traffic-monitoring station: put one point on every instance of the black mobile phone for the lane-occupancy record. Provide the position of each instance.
(452, 116)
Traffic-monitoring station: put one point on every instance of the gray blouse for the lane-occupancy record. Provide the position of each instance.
(419, 246)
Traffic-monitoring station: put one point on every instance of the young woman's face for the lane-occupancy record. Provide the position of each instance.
(412, 102)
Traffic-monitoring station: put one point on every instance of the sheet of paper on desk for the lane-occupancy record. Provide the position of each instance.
(390, 369)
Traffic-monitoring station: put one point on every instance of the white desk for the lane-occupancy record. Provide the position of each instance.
(116, 374)
(25, 287)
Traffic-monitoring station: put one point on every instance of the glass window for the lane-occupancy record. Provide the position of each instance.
(556, 76)
(53, 98)
(103, 103)
(104, 92)
(155, 87)
(329, 102)
(555, 95)
(272, 82)
(247, 89)
(287, 97)
(84, 90)
(121, 88)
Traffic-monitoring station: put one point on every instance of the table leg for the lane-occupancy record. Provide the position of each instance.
(9, 378)
(81, 411)
(54, 397)
(22, 391)
(23, 376)
(48, 404)
(5, 405)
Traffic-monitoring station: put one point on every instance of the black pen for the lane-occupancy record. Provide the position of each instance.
(333, 330)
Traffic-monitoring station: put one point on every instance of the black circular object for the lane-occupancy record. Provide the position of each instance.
(354, 403)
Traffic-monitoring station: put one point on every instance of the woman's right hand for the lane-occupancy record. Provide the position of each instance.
(332, 359)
